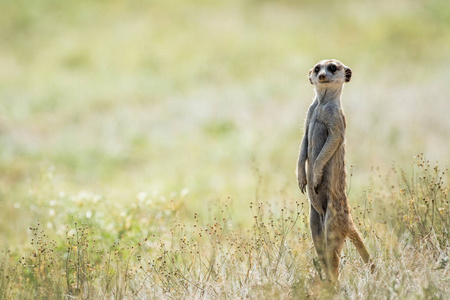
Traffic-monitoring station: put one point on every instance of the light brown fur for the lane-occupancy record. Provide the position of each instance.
(323, 148)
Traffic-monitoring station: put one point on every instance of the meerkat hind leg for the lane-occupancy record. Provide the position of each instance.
(334, 239)
(316, 223)
(334, 249)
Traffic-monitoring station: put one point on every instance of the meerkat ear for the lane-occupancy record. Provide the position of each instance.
(348, 74)
(309, 76)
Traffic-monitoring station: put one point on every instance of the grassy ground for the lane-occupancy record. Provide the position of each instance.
(148, 149)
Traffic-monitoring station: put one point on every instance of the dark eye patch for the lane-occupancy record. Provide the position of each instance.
(317, 69)
(332, 68)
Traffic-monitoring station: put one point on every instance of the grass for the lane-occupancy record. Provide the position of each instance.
(149, 148)
(153, 249)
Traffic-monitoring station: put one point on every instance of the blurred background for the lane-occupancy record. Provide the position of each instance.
(203, 101)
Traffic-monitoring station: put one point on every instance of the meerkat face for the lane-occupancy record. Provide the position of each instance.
(329, 72)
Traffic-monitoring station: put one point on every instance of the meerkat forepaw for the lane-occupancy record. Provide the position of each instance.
(302, 183)
(317, 181)
(316, 189)
(301, 178)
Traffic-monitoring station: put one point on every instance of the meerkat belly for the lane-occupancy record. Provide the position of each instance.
(317, 136)
(337, 176)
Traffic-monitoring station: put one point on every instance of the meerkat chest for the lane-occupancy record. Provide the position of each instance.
(322, 120)
(319, 115)
(327, 114)
(317, 133)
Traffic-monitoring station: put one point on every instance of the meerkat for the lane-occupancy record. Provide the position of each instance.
(323, 148)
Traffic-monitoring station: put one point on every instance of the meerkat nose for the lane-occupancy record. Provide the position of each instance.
(321, 77)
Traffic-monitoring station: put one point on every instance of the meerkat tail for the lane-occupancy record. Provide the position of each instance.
(359, 244)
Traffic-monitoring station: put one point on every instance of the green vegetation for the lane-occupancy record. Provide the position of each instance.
(148, 148)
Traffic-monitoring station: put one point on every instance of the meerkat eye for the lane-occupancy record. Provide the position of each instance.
(317, 69)
(332, 68)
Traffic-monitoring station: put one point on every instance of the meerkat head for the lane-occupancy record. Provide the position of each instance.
(329, 73)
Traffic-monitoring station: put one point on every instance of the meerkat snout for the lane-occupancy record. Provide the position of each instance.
(322, 77)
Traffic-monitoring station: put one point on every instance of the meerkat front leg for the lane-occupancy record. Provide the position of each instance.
(301, 168)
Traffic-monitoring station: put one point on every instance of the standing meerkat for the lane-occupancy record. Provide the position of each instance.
(323, 148)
